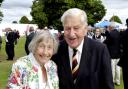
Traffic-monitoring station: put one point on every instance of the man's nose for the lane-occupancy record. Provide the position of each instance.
(72, 32)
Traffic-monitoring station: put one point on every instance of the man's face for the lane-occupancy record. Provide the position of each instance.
(98, 32)
(74, 31)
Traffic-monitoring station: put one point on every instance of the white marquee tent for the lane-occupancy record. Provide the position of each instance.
(20, 27)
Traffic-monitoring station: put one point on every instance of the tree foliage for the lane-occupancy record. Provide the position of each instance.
(1, 1)
(24, 20)
(1, 15)
(48, 12)
(38, 14)
(116, 19)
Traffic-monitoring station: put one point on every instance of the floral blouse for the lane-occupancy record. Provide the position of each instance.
(27, 74)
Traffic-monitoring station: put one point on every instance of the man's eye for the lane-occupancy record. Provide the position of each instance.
(67, 29)
(76, 28)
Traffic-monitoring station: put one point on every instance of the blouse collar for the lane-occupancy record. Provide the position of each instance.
(33, 60)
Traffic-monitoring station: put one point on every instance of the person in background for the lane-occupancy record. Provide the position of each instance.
(29, 38)
(17, 36)
(60, 36)
(36, 70)
(10, 39)
(82, 62)
(113, 44)
(124, 55)
(90, 32)
(97, 36)
(0, 41)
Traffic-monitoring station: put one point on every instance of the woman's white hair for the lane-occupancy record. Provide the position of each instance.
(40, 36)
(75, 12)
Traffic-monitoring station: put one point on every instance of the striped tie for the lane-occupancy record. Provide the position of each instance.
(74, 65)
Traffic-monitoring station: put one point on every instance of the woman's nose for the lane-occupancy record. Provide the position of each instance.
(45, 51)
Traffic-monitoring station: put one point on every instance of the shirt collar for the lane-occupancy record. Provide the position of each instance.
(79, 48)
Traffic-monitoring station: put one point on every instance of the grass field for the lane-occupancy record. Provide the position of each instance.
(5, 66)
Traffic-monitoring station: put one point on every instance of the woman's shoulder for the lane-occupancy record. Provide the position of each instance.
(22, 61)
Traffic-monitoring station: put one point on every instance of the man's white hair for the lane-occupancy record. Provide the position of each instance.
(112, 24)
(75, 12)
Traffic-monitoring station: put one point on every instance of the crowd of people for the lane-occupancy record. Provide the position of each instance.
(78, 59)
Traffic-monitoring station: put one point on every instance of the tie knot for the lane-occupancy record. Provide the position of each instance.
(74, 52)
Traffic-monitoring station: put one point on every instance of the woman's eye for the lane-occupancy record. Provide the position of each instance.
(49, 47)
(41, 46)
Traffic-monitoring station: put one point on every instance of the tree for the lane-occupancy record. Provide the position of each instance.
(24, 20)
(38, 15)
(48, 12)
(1, 1)
(95, 11)
(1, 15)
(115, 19)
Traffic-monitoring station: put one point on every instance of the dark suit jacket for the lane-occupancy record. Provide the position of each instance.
(113, 43)
(11, 37)
(28, 40)
(124, 46)
(94, 69)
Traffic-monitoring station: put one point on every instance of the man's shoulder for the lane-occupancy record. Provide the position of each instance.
(63, 44)
(91, 43)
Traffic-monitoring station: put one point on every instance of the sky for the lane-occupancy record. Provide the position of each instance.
(13, 10)
(116, 7)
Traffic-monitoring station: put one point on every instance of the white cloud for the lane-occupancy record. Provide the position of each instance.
(116, 7)
(16, 3)
(13, 10)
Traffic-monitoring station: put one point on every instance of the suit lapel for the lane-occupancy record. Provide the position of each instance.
(66, 64)
(84, 62)
(83, 67)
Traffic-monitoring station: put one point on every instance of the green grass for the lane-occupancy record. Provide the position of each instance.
(5, 66)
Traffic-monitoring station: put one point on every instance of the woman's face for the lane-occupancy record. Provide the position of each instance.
(44, 51)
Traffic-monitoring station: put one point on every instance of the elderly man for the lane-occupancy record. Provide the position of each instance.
(113, 44)
(82, 62)
(29, 38)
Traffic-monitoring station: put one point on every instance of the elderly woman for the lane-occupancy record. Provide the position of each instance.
(36, 70)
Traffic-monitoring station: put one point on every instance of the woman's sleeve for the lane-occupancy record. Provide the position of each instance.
(15, 78)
